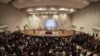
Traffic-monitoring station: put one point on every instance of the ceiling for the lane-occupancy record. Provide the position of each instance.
(31, 3)
(21, 4)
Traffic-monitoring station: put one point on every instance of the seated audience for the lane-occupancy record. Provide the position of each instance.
(18, 44)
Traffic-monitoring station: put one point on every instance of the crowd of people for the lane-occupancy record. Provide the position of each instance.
(18, 44)
(91, 43)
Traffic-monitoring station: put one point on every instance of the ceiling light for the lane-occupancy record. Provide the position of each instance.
(72, 10)
(31, 13)
(40, 9)
(85, 1)
(63, 9)
(29, 9)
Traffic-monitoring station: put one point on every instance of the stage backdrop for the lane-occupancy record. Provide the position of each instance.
(39, 21)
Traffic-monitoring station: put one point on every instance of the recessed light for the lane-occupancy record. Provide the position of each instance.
(40, 9)
(29, 9)
(72, 10)
(63, 9)
(31, 13)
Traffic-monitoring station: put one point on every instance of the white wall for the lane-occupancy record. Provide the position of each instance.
(88, 18)
(12, 17)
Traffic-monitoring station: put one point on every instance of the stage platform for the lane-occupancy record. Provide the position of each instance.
(49, 32)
